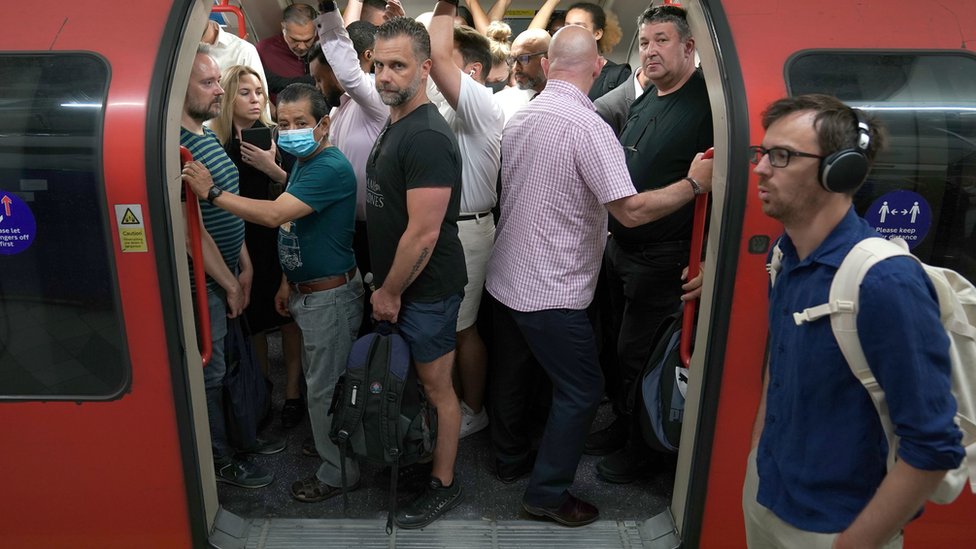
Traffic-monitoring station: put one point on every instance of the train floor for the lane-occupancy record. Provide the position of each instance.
(485, 498)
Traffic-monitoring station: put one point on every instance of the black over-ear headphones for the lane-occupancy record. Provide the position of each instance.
(845, 170)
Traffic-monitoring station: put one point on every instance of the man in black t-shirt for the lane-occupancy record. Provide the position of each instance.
(413, 185)
(668, 124)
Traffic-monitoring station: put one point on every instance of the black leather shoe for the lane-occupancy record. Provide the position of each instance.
(433, 502)
(607, 440)
(573, 512)
(626, 465)
(512, 473)
(293, 412)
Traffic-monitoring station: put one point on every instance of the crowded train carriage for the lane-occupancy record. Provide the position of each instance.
(105, 331)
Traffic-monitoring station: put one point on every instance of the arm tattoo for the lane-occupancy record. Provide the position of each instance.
(417, 267)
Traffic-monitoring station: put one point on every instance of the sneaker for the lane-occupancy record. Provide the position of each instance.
(266, 446)
(471, 422)
(427, 507)
(244, 474)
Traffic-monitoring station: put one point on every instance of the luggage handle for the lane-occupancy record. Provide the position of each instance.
(694, 266)
(196, 251)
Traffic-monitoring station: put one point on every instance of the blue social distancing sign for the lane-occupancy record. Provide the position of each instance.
(17, 225)
(903, 214)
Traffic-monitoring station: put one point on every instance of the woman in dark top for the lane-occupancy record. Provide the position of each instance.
(244, 105)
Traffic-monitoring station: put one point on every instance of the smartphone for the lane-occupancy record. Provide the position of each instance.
(259, 137)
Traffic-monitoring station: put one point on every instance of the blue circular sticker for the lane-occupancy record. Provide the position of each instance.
(902, 214)
(17, 225)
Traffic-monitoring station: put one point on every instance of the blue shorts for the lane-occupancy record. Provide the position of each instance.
(429, 328)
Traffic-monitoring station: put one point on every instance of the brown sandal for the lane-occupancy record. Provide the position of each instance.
(313, 490)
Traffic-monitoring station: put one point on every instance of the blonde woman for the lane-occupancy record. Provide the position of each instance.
(498, 34)
(243, 107)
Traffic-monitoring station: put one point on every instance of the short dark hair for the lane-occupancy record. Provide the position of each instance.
(405, 26)
(474, 47)
(667, 14)
(835, 122)
(363, 35)
(300, 90)
(299, 14)
(315, 53)
(376, 4)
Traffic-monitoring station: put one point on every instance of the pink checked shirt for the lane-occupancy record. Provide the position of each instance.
(560, 164)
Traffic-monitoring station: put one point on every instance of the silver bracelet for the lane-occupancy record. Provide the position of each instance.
(695, 185)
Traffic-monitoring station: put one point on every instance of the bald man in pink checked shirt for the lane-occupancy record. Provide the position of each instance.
(562, 169)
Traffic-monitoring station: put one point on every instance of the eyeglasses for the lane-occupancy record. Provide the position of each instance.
(778, 156)
(522, 59)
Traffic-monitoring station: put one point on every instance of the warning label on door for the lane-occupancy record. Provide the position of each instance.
(132, 232)
(901, 214)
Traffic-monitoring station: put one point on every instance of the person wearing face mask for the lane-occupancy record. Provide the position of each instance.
(244, 106)
(321, 287)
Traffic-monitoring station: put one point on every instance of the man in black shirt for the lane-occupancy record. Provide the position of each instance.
(667, 126)
(413, 184)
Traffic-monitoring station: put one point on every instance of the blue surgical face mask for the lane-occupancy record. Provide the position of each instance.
(300, 143)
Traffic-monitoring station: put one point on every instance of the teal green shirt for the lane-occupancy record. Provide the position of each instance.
(226, 229)
(319, 245)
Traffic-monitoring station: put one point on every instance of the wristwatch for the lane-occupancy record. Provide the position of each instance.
(213, 193)
(327, 6)
(695, 185)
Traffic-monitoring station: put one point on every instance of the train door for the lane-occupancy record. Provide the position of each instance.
(916, 71)
(103, 438)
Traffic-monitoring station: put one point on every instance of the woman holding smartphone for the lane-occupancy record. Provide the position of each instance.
(245, 131)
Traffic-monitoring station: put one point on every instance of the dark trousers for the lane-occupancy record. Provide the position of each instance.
(562, 341)
(645, 287)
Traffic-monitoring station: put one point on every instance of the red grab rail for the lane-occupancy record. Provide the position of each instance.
(196, 252)
(694, 267)
(225, 7)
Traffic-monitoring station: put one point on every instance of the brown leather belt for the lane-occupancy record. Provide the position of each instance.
(324, 284)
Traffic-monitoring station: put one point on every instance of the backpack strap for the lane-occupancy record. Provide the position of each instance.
(775, 264)
(845, 293)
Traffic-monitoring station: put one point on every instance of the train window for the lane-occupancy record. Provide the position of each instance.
(60, 329)
(926, 102)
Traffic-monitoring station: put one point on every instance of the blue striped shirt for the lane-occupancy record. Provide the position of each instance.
(226, 229)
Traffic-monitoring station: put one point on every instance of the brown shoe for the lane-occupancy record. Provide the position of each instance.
(573, 512)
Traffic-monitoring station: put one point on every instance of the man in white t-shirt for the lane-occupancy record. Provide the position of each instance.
(461, 61)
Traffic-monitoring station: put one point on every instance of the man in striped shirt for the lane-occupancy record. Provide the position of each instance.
(226, 262)
(562, 169)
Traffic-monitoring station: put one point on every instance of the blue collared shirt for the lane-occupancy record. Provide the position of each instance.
(823, 452)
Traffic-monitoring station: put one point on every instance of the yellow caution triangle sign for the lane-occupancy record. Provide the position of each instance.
(130, 218)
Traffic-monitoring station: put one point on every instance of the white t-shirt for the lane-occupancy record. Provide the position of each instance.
(477, 124)
(512, 99)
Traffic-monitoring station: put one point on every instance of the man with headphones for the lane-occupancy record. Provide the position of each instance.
(817, 474)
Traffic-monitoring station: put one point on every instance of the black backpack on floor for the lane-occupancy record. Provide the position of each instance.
(380, 411)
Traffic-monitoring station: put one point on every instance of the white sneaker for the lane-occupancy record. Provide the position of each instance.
(471, 422)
